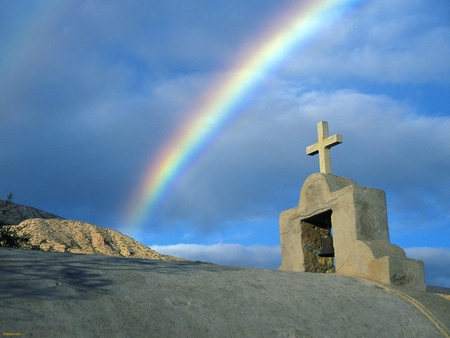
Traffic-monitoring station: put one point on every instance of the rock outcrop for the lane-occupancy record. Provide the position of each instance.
(26, 227)
(62, 235)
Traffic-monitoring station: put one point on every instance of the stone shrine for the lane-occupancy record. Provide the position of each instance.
(355, 216)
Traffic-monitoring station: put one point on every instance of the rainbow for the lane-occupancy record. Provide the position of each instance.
(219, 107)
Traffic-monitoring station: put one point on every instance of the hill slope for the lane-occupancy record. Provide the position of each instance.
(13, 214)
(31, 228)
(48, 294)
(80, 237)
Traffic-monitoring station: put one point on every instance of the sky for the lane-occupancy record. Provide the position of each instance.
(183, 124)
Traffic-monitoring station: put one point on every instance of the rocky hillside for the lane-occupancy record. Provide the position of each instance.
(30, 228)
(79, 237)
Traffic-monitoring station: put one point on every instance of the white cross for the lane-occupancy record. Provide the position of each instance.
(322, 147)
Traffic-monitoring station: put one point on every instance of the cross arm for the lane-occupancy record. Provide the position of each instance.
(334, 140)
(312, 150)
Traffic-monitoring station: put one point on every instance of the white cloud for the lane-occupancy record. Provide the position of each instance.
(383, 41)
(261, 157)
(256, 256)
(436, 260)
(437, 264)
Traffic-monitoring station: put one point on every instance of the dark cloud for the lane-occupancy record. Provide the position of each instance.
(263, 155)
(90, 92)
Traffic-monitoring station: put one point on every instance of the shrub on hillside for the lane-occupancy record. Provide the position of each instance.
(8, 233)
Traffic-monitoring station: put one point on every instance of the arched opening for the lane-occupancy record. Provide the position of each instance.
(313, 230)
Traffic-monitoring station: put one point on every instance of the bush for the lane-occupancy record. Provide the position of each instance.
(10, 238)
(5, 209)
(8, 233)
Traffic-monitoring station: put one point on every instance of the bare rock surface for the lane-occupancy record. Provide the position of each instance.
(62, 235)
(49, 294)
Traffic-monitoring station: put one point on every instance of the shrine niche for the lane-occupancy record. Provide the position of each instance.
(355, 217)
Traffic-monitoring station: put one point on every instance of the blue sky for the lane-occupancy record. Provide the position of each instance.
(91, 90)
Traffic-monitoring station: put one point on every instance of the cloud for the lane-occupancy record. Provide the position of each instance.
(437, 264)
(257, 256)
(89, 151)
(256, 167)
(254, 170)
(381, 41)
(163, 38)
(90, 93)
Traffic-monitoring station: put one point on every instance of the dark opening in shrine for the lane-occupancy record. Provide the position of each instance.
(315, 230)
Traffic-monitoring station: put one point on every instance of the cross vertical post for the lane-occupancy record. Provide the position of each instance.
(322, 147)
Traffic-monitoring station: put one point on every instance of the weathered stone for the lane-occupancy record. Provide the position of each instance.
(311, 238)
(47, 294)
(323, 145)
(358, 216)
(312, 244)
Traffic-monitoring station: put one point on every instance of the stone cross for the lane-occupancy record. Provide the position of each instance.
(322, 147)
